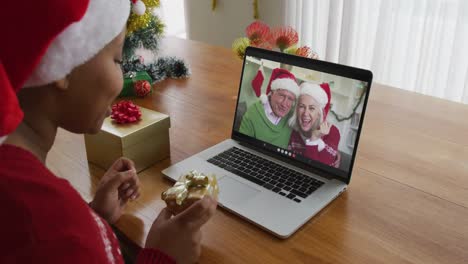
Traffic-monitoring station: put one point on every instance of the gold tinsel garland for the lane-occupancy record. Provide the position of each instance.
(255, 7)
(151, 3)
(213, 4)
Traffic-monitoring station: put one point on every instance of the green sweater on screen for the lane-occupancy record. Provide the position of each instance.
(256, 124)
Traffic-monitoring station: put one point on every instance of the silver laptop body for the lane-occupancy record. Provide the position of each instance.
(252, 199)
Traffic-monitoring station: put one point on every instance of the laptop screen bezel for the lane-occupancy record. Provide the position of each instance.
(316, 65)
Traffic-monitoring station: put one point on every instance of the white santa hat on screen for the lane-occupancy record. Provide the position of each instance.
(69, 34)
(279, 79)
(321, 93)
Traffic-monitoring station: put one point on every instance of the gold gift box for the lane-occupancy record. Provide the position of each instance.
(145, 142)
(188, 189)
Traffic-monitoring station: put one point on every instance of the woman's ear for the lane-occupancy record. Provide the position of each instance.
(62, 84)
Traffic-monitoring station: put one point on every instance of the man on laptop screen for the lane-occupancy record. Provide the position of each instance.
(267, 119)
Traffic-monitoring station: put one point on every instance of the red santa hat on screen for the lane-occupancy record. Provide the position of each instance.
(321, 93)
(68, 33)
(279, 79)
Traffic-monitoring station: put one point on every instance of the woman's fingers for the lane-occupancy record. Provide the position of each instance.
(131, 193)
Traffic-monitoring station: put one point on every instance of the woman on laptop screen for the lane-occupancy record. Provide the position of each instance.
(313, 136)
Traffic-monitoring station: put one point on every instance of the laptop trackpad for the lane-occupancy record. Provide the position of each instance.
(233, 191)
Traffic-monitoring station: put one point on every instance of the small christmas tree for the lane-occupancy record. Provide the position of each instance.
(144, 32)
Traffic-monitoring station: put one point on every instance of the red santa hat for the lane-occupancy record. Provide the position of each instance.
(321, 93)
(279, 79)
(69, 33)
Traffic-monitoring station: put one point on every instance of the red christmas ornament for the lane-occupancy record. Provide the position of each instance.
(142, 88)
(125, 112)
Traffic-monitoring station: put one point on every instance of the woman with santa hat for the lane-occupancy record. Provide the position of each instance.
(313, 137)
(65, 73)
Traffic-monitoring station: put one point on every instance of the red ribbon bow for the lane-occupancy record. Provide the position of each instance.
(125, 112)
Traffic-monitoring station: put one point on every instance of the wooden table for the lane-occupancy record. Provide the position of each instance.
(408, 198)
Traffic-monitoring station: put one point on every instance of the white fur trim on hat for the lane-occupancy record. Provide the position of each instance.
(81, 41)
(317, 142)
(316, 92)
(286, 84)
(263, 98)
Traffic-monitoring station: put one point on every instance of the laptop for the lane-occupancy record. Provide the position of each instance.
(281, 184)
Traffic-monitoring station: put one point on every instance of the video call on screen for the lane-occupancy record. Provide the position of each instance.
(308, 115)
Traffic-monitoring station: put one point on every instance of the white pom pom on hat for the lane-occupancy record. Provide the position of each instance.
(138, 7)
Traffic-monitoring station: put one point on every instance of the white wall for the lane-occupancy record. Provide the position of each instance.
(172, 14)
(229, 20)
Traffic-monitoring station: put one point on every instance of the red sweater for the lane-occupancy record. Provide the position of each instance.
(44, 220)
(327, 155)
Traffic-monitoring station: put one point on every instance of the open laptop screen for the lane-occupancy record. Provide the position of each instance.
(307, 115)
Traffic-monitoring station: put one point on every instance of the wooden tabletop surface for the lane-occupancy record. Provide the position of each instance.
(408, 197)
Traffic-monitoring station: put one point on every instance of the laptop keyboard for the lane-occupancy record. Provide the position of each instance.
(279, 179)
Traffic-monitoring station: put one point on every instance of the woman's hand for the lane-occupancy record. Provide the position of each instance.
(180, 236)
(323, 130)
(337, 162)
(118, 185)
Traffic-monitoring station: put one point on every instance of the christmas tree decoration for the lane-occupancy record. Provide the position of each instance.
(141, 16)
(164, 67)
(144, 32)
(259, 35)
(175, 68)
(130, 78)
(138, 7)
(125, 112)
(147, 38)
(142, 88)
